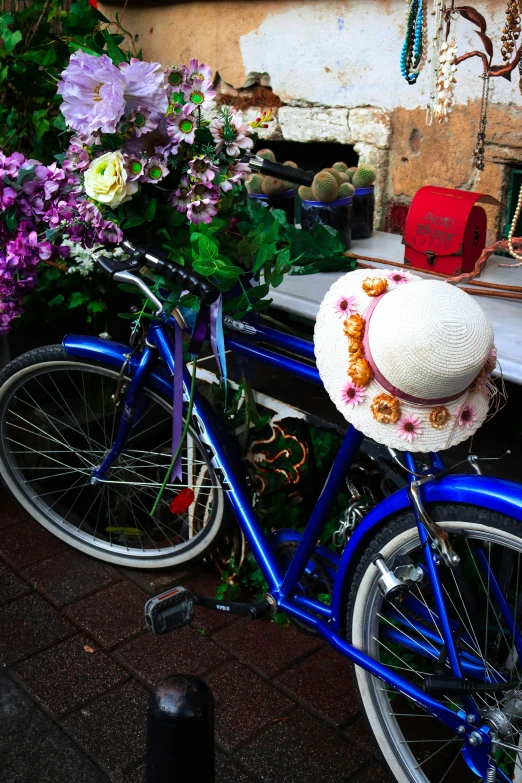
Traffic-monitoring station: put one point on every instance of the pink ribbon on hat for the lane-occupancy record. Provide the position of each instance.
(379, 377)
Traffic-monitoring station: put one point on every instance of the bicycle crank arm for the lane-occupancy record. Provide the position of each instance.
(253, 610)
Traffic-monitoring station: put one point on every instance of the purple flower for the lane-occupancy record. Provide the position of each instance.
(180, 197)
(200, 94)
(134, 167)
(204, 190)
(183, 126)
(110, 233)
(201, 211)
(202, 168)
(145, 86)
(235, 172)
(93, 93)
(196, 70)
(77, 158)
(7, 197)
(142, 122)
(154, 170)
(176, 76)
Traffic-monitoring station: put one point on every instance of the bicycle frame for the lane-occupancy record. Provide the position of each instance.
(284, 587)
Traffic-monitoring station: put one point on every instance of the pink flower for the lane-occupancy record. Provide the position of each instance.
(231, 133)
(235, 172)
(352, 395)
(180, 198)
(154, 170)
(199, 93)
(141, 120)
(201, 168)
(466, 417)
(201, 211)
(195, 70)
(398, 277)
(345, 306)
(183, 126)
(409, 427)
(491, 362)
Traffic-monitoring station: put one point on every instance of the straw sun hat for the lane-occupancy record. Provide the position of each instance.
(407, 361)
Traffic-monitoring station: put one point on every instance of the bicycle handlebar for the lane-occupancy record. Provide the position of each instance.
(288, 173)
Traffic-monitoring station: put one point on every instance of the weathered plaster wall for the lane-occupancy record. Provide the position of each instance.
(334, 63)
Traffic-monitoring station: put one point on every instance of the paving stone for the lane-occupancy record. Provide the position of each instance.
(374, 773)
(151, 658)
(112, 728)
(11, 512)
(112, 615)
(66, 675)
(244, 703)
(206, 582)
(70, 576)
(27, 543)
(155, 582)
(29, 625)
(227, 771)
(301, 749)
(136, 776)
(324, 682)
(33, 748)
(266, 646)
(11, 586)
(359, 732)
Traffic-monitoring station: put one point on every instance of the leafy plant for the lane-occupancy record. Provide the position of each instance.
(34, 49)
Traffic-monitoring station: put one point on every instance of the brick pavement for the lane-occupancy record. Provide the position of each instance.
(78, 665)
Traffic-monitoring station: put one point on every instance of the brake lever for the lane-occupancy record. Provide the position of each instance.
(127, 277)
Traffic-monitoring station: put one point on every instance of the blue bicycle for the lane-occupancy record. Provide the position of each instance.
(424, 599)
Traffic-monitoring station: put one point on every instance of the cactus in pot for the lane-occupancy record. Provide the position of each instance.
(254, 183)
(346, 189)
(325, 187)
(364, 176)
(323, 203)
(341, 167)
(267, 155)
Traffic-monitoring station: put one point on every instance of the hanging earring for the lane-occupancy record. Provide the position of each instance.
(435, 46)
(478, 154)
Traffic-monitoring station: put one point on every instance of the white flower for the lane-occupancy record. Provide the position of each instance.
(106, 180)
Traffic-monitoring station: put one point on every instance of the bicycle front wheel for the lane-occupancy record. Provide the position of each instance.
(58, 421)
(407, 638)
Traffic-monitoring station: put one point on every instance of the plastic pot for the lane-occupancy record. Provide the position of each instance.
(285, 202)
(363, 209)
(337, 214)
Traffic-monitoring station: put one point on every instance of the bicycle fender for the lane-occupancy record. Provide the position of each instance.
(499, 495)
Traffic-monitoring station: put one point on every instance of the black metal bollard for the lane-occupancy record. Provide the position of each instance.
(180, 732)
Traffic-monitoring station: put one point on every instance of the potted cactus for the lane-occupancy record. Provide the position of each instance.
(277, 193)
(363, 179)
(329, 201)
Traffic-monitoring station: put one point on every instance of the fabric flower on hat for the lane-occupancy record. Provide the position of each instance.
(230, 133)
(345, 306)
(466, 417)
(355, 349)
(93, 90)
(409, 427)
(439, 417)
(386, 409)
(144, 86)
(360, 372)
(352, 395)
(398, 277)
(199, 94)
(354, 326)
(374, 286)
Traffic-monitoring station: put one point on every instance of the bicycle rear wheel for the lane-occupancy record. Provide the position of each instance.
(57, 422)
(416, 746)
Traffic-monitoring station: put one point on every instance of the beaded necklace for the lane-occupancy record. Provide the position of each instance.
(413, 51)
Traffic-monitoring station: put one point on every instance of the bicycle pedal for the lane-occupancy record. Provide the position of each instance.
(169, 611)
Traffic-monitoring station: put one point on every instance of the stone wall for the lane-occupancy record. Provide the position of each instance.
(334, 66)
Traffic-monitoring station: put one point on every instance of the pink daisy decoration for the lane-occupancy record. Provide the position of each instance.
(398, 277)
(352, 395)
(345, 306)
(466, 417)
(201, 211)
(197, 70)
(409, 427)
(180, 197)
(199, 93)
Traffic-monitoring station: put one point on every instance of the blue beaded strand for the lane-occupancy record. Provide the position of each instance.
(412, 48)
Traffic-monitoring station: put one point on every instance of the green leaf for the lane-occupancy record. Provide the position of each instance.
(150, 211)
(77, 299)
(56, 301)
(113, 49)
(97, 307)
(261, 258)
(207, 247)
(176, 218)
(3, 73)
(204, 266)
(259, 291)
(283, 258)
(10, 40)
(135, 220)
(127, 316)
(11, 220)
